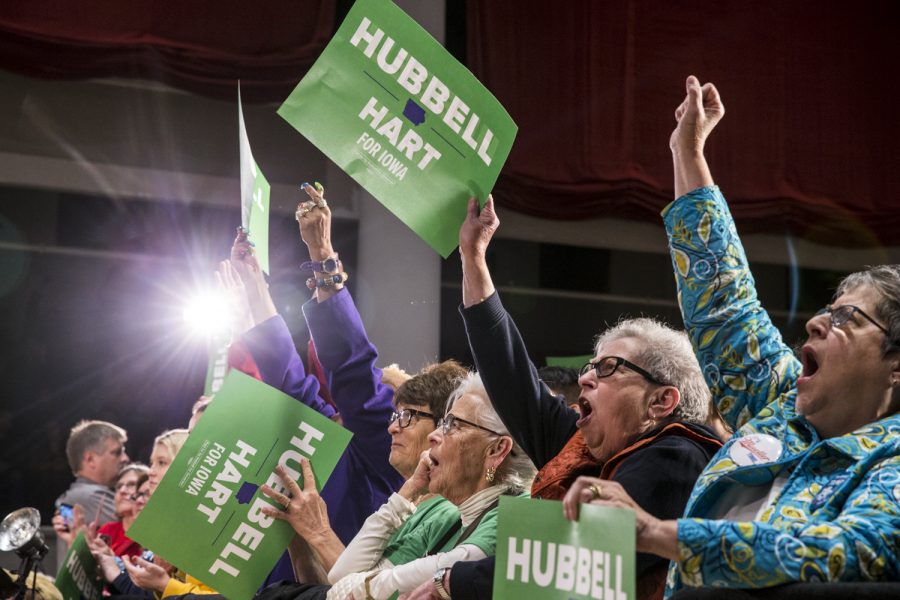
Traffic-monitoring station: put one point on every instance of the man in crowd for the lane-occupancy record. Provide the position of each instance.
(96, 452)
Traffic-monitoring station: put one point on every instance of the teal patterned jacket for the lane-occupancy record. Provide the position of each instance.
(838, 516)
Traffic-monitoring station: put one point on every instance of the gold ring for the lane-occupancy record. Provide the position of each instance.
(595, 491)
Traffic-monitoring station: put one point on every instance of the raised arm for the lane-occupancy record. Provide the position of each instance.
(474, 238)
(269, 341)
(244, 263)
(696, 116)
(539, 422)
(343, 347)
(314, 218)
(744, 360)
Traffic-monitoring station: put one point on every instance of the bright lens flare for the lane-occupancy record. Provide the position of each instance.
(207, 314)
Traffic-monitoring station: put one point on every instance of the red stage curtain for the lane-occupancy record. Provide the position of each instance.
(199, 45)
(808, 145)
(810, 141)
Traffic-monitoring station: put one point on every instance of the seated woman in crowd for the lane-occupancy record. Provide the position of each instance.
(807, 490)
(419, 402)
(472, 462)
(643, 408)
(125, 485)
(363, 478)
(109, 563)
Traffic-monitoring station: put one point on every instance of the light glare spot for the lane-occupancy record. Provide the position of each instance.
(207, 314)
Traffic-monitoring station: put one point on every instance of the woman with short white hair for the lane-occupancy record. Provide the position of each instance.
(643, 406)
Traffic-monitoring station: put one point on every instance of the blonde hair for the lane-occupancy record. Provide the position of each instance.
(172, 440)
(393, 376)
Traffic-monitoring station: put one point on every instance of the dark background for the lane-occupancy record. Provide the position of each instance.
(808, 150)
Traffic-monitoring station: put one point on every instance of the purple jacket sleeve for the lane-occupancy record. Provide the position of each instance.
(272, 347)
(347, 354)
(363, 478)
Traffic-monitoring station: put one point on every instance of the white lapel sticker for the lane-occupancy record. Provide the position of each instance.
(755, 449)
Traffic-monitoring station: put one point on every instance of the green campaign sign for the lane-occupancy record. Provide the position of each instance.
(575, 362)
(540, 554)
(391, 107)
(205, 516)
(217, 366)
(255, 192)
(77, 576)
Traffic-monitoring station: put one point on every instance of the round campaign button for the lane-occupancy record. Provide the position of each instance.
(755, 449)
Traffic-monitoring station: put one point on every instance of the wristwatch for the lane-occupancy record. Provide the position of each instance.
(330, 265)
(438, 581)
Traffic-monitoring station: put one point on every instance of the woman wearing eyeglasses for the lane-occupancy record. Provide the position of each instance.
(471, 463)
(643, 409)
(419, 402)
(103, 546)
(126, 486)
(379, 458)
(809, 487)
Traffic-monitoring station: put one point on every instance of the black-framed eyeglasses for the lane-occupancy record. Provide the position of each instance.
(608, 365)
(405, 416)
(140, 495)
(126, 485)
(447, 423)
(841, 314)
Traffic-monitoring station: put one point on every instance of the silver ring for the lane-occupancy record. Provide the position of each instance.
(322, 203)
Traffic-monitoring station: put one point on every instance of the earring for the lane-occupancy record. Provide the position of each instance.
(489, 474)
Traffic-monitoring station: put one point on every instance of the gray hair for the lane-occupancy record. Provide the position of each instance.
(136, 467)
(90, 436)
(516, 471)
(884, 279)
(667, 355)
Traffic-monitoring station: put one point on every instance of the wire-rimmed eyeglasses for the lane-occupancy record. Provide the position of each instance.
(447, 423)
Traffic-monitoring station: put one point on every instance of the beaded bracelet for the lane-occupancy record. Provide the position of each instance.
(329, 281)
